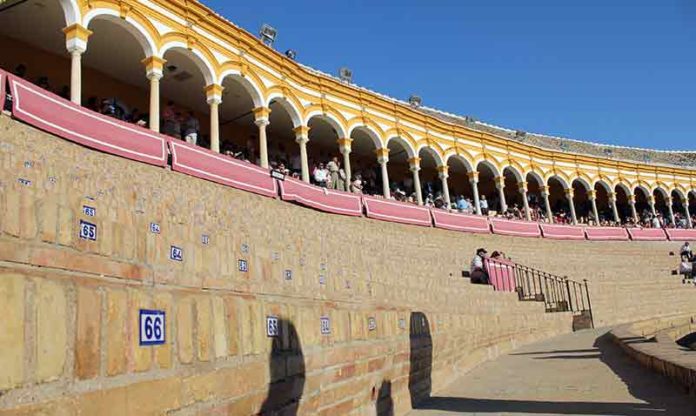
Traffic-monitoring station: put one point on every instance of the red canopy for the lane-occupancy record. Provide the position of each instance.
(562, 232)
(460, 222)
(387, 210)
(49, 112)
(647, 234)
(323, 199)
(516, 228)
(606, 233)
(206, 164)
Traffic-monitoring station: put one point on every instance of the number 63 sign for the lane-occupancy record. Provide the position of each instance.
(152, 327)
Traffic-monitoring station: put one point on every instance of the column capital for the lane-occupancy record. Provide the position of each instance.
(569, 192)
(499, 182)
(261, 113)
(301, 134)
(344, 144)
(154, 66)
(591, 194)
(213, 93)
(414, 163)
(544, 189)
(632, 199)
(473, 176)
(651, 199)
(611, 196)
(443, 171)
(522, 187)
(382, 154)
(76, 37)
(669, 200)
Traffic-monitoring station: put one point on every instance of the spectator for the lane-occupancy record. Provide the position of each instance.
(191, 128)
(357, 186)
(170, 122)
(321, 175)
(42, 82)
(333, 167)
(685, 250)
(483, 204)
(477, 271)
(20, 71)
(342, 179)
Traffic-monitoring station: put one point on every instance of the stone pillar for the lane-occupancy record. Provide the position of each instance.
(153, 70)
(302, 137)
(685, 202)
(547, 205)
(383, 159)
(443, 173)
(651, 202)
(592, 196)
(522, 187)
(473, 179)
(632, 203)
(261, 117)
(569, 195)
(213, 93)
(414, 166)
(500, 186)
(344, 146)
(76, 37)
(614, 209)
(669, 202)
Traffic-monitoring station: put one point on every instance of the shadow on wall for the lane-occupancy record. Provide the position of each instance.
(421, 358)
(385, 403)
(287, 373)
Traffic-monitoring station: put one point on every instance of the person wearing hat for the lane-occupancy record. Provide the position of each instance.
(477, 271)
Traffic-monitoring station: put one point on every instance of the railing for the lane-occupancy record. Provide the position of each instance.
(559, 294)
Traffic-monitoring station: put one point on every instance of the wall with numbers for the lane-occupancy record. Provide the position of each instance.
(129, 289)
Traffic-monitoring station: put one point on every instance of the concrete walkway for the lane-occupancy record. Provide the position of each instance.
(576, 374)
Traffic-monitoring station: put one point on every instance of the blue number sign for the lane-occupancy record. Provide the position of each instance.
(176, 253)
(89, 211)
(88, 231)
(152, 327)
(272, 329)
(154, 228)
(325, 325)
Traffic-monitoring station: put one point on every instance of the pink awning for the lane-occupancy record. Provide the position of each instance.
(681, 234)
(206, 164)
(388, 210)
(501, 274)
(562, 232)
(323, 199)
(516, 228)
(49, 112)
(606, 233)
(647, 234)
(460, 222)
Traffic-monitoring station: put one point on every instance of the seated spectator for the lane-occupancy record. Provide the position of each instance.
(321, 175)
(357, 186)
(42, 82)
(477, 270)
(190, 128)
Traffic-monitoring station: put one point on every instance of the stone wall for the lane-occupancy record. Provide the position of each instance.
(403, 323)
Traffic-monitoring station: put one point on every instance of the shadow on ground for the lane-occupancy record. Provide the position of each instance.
(658, 395)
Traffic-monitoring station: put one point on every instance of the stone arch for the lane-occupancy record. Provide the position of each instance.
(563, 181)
(603, 184)
(584, 182)
(457, 156)
(251, 87)
(331, 117)
(199, 58)
(516, 172)
(537, 176)
(661, 190)
(288, 106)
(681, 193)
(71, 10)
(439, 161)
(370, 132)
(641, 187)
(136, 25)
(490, 165)
(405, 143)
(624, 187)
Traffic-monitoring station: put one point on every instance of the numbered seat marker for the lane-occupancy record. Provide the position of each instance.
(88, 231)
(152, 327)
(325, 325)
(176, 253)
(243, 265)
(272, 329)
(89, 211)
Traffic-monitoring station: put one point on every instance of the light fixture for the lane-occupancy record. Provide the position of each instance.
(520, 134)
(415, 100)
(291, 53)
(345, 74)
(268, 34)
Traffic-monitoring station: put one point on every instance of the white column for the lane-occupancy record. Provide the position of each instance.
(154, 101)
(685, 202)
(414, 166)
(261, 119)
(651, 202)
(213, 93)
(669, 202)
(632, 203)
(344, 146)
(523, 191)
(547, 204)
(592, 196)
(302, 137)
(569, 195)
(383, 159)
(614, 209)
(76, 75)
(500, 186)
(473, 179)
(442, 172)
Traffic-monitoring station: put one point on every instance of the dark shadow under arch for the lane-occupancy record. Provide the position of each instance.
(420, 358)
(287, 373)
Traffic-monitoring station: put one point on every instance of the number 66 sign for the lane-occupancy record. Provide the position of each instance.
(152, 327)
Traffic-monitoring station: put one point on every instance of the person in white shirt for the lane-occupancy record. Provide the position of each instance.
(685, 250)
(321, 175)
(477, 272)
(484, 205)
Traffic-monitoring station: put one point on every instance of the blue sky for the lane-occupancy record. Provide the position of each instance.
(614, 71)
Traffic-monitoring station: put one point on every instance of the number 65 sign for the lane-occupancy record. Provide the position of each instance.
(152, 327)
